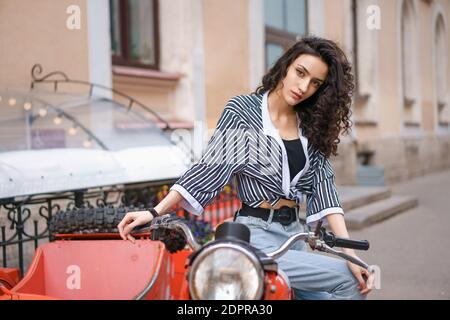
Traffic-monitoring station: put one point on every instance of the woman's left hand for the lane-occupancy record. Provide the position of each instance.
(365, 278)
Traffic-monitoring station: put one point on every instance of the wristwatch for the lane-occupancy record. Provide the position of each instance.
(153, 212)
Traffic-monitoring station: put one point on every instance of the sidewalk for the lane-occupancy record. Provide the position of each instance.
(413, 248)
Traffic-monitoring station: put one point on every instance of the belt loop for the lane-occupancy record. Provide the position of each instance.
(269, 221)
(236, 215)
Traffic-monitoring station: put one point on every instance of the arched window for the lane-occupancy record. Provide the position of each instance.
(365, 46)
(441, 66)
(409, 64)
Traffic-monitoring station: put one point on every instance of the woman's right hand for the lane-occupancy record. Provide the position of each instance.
(131, 221)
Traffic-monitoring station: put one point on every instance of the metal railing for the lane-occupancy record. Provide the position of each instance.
(26, 220)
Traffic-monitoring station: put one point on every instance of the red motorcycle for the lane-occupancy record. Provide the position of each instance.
(165, 262)
(230, 268)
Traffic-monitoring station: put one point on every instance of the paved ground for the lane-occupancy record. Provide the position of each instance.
(413, 248)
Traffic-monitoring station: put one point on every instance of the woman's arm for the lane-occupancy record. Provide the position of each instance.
(337, 225)
(205, 179)
(170, 200)
(137, 218)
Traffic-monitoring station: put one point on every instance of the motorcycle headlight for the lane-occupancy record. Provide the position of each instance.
(226, 272)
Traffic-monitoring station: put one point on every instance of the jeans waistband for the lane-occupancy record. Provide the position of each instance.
(284, 215)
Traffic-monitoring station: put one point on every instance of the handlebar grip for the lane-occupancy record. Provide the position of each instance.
(352, 244)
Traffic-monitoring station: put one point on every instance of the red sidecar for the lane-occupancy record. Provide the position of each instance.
(98, 269)
(107, 269)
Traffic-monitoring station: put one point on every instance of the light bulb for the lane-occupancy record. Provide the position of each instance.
(72, 131)
(27, 106)
(57, 120)
(87, 143)
(42, 112)
(12, 102)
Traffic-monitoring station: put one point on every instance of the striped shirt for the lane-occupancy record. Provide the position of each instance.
(246, 145)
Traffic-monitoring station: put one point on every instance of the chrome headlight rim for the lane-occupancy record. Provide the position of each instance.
(208, 250)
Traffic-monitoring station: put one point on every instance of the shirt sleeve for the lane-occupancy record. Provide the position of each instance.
(324, 198)
(224, 155)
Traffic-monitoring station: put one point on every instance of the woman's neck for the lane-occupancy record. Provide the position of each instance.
(278, 108)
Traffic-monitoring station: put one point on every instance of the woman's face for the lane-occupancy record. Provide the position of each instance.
(304, 77)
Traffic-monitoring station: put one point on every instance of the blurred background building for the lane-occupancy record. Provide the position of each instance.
(186, 58)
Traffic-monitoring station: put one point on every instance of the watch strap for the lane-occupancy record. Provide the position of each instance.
(153, 212)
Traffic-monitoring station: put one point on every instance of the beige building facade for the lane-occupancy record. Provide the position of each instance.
(211, 50)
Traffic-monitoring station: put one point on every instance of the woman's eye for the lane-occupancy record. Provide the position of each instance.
(300, 73)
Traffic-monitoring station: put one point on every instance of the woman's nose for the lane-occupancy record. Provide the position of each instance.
(303, 86)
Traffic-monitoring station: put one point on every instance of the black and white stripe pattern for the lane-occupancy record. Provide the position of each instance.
(247, 146)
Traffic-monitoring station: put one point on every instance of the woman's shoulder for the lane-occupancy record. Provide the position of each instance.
(245, 105)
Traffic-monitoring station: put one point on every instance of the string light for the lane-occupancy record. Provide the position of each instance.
(12, 102)
(57, 120)
(87, 143)
(72, 131)
(27, 106)
(42, 112)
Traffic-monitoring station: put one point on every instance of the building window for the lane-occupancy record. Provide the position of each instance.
(285, 21)
(409, 65)
(365, 62)
(443, 111)
(134, 33)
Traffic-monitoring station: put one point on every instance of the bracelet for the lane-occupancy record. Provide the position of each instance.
(153, 212)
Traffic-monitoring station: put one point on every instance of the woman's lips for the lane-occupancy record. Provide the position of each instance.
(296, 95)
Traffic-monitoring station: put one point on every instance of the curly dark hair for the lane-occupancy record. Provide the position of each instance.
(326, 114)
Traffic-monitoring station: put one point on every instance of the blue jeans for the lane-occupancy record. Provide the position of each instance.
(311, 275)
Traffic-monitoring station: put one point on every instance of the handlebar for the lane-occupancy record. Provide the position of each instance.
(333, 241)
(320, 240)
(174, 223)
(316, 243)
(352, 244)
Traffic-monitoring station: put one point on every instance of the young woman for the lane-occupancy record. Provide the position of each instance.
(276, 142)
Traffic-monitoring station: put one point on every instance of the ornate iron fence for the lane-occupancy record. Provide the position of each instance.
(26, 220)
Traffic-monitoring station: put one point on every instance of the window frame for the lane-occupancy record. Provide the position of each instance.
(124, 31)
(282, 37)
(441, 100)
(411, 97)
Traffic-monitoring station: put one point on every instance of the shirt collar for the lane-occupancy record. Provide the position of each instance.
(268, 127)
(270, 130)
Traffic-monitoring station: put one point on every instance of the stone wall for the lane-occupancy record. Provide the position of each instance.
(407, 158)
(345, 164)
